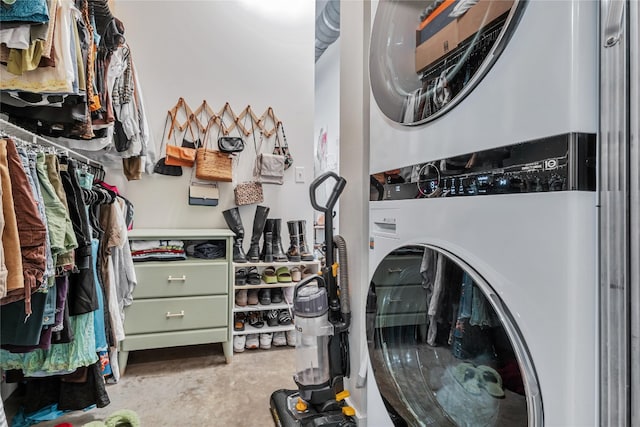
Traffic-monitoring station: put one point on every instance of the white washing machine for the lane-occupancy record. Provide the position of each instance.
(481, 305)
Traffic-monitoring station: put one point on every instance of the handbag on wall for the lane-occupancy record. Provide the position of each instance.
(282, 149)
(269, 168)
(212, 165)
(161, 167)
(203, 194)
(230, 144)
(248, 193)
(185, 154)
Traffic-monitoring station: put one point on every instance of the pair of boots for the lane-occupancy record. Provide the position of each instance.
(272, 247)
(298, 249)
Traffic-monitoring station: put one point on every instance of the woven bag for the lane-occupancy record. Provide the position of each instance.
(212, 165)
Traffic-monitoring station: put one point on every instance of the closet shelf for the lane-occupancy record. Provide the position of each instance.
(260, 307)
(265, 329)
(267, 285)
(24, 135)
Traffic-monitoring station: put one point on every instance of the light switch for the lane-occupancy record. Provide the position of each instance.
(299, 174)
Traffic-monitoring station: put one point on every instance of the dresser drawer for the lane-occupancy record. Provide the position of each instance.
(174, 314)
(180, 278)
(401, 299)
(395, 270)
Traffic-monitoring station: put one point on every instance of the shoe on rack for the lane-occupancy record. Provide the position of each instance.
(306, 272)
(296, 274)
(241, 297)
(284, 318)
(252, 342)
(253, 277)
(269, 275)
(276, 295)
(239, 342)
(279, 339)
(255, 319)
(265, 340)
(291, 338)
(252, 297)
(283, 275)
(241, 276)
(238, 321)
(265, 296)
(272, 317)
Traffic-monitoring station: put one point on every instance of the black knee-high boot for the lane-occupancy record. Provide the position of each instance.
(232, 217)
(258, 227)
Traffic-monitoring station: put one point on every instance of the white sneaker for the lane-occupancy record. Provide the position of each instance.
(279, 339)
(252, 341)
(291, 338)
(265, 340)
(239, 343)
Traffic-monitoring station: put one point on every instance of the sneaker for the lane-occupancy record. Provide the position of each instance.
(239, 342)
(291, 338)
(252, 342)
(279, 339)
(265, 340)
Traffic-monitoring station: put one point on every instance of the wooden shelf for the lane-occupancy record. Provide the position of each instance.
(260, 307)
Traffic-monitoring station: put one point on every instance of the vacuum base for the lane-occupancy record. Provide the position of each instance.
(282, 403)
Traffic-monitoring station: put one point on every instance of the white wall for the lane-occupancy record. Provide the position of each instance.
(354, 160)
(245, 52)
(327, 119)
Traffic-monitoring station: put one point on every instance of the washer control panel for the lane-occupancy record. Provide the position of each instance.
(560, 163)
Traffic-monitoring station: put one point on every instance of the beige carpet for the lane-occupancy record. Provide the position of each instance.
(192, 386)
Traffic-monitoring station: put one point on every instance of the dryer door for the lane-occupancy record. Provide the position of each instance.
(443, 349)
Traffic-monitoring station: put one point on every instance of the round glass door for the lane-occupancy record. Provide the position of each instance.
(443, 348)
(425, 56)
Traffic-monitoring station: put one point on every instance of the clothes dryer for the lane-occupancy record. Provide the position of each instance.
(481, 304)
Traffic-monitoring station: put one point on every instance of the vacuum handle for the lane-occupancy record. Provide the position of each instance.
(333, 197)
(307, 281)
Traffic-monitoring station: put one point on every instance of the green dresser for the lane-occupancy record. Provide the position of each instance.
(179, 303)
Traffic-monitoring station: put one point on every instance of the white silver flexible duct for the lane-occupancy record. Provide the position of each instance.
(327, 26)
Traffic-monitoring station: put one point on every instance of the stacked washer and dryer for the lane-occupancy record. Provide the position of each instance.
(482, 300)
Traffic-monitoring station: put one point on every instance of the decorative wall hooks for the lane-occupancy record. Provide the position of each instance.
(226, 119)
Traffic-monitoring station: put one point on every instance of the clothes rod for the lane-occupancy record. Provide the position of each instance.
(18, 132)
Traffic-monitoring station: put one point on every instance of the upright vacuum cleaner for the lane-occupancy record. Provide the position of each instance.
(322, 318)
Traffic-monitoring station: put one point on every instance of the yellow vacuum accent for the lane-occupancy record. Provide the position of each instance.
(334, 269)
(348, 411)
(342, 395)
(301, 405)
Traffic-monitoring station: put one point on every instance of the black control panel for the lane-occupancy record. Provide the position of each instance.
(560, 163)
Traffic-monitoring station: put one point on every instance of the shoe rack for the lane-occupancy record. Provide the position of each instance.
(304, 267)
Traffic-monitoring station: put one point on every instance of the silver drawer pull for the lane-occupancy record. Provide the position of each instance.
(177, 279)
(170, 314)
(394, 270)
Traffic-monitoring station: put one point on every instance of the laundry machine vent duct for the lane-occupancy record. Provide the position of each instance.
(327, 26)
(559, 163)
